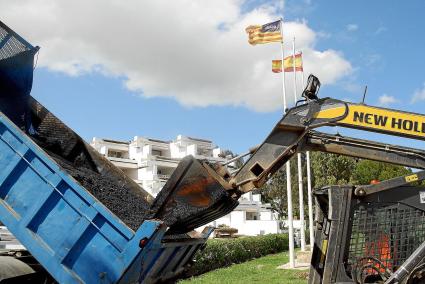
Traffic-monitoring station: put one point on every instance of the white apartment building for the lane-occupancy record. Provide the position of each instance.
(150, 162)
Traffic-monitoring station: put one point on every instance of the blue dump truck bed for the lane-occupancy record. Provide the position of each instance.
(71, 234)
(81, 219)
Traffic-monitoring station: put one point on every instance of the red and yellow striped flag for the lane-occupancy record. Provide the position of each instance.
(288, 64)
(264, 34)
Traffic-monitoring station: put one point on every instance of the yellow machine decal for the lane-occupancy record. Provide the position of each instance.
(324, 249)
(411, 178)
(379, 119)
(331, 112)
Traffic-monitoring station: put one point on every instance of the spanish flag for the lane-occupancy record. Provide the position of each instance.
(288, 64)
(264, 34)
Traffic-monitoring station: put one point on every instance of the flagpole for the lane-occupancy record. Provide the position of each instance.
(288, 165)
(309, 191)
(300, 176)
(310, 201)
(283, 69)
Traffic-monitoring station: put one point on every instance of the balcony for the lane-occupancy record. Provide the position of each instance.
(123, 162)
(161, 161)
(163, 177)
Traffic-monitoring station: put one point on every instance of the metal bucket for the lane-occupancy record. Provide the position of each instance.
(193, 196)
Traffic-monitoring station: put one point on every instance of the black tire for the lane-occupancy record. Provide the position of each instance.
(11, 267)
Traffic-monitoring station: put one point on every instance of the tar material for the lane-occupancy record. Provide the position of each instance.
(121, 195)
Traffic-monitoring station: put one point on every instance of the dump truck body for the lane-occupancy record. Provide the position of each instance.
(74, 236)
(58, 221)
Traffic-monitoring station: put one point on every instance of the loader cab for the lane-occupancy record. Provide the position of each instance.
(364, 239)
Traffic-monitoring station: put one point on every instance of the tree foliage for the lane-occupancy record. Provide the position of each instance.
(366, 171)
(331, 169)
(274, 192)
(327, 169)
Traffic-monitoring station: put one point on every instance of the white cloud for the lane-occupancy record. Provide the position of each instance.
(352, 27)
(386, 100)
(419, 95)
(195, 52)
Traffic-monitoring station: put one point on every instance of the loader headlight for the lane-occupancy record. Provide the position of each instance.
(312, 88)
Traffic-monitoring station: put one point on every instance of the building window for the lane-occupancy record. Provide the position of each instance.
(203, 152)
(156, 153)
(115, 154)
(252, 216)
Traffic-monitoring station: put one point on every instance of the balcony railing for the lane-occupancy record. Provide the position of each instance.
(163, 177)
(123, 162)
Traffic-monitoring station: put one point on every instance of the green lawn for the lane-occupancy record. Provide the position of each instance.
(261, 270)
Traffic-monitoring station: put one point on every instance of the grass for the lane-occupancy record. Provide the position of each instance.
(261, 270)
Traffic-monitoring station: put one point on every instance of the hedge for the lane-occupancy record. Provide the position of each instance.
(225, 252)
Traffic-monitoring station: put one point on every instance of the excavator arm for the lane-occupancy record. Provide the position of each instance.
(364, 149)
(294, 133)
(359, 236)
(199, 192)
(363, 233)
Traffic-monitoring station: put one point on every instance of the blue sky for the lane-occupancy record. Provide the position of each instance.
(350, 43)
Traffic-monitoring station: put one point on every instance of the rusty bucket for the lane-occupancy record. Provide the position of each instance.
(193, 196)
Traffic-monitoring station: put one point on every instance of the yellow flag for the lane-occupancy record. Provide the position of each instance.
(288, 64)
(264, 34)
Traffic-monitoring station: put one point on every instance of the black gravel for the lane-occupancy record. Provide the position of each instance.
(121, 195)
(116, 197)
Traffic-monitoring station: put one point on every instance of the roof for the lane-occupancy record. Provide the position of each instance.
(116, 141)
(199, 139)
(159, 141)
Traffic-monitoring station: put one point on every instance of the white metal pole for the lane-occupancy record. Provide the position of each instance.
(283, 69)
(288, 166)
(301, 201)
(309, 191)
(302, 73)
(300, 176)
(310, 202)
